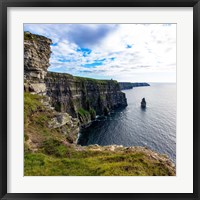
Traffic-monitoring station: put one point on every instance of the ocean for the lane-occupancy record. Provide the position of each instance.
(153, 127)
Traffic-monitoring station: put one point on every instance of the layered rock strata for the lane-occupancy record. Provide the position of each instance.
(83, 97)
(36, 61)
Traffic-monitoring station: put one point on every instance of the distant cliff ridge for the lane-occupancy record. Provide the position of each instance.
(82, 98)
(129, 85)
(140, 84)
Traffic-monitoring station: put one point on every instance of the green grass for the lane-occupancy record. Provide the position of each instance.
(92, 113)
(54, 147)
(36, 119)
(79, 78)
(90, 163)
(31, 105)
(30, 36)
(84, 113)
(96, 81)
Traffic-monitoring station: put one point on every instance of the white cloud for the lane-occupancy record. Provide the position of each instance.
(152, 50)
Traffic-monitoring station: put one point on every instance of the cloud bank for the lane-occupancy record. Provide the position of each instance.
(125, 52)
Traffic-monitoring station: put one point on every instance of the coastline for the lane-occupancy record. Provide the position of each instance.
(55, 107)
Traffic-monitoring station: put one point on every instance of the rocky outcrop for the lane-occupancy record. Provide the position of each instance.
(129, 85)
(68, 125)
(36, 56)
(80, 97)
(36, 61)
(143, 103)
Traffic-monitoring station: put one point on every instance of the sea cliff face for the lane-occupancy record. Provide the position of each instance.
(83, 97)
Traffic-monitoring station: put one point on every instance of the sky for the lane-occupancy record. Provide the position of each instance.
(123, 52)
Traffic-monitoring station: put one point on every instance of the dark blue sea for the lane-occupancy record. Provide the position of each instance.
(153, 127)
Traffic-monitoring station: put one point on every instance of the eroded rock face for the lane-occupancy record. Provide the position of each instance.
(35, 88)
(68, 125)
(36, 56)
(36, 61)
(80, 96)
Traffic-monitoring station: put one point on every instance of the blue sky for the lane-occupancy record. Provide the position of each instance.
(124, 52)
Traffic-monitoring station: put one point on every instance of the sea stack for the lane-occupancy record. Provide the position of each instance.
(143, 103)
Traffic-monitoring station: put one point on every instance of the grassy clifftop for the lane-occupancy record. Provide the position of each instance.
(48, 152)
(59, 160)
(79, 78)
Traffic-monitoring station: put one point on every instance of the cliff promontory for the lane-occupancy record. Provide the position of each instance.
(56, 105)
(129, 85)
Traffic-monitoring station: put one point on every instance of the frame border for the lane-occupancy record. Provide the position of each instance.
(4, 4)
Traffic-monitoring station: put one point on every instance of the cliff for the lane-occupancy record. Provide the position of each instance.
(55, 105)
(81, 98)
(129, 85)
